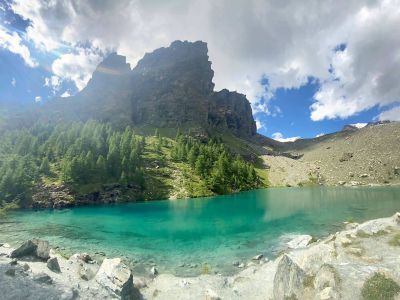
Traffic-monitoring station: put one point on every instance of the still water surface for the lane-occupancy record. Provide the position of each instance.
(211, 233)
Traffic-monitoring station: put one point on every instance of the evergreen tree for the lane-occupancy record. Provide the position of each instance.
(45, 166)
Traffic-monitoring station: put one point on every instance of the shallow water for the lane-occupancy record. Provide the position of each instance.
(211, 233)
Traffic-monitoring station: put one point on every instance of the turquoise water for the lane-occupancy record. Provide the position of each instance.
(214, 231)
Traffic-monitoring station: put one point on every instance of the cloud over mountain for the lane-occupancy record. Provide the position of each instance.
(256, 46)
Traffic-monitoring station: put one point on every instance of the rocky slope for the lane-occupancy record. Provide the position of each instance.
(369, 155)
(360, 262)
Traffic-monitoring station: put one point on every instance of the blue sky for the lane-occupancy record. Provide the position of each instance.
(307, 69)
(291, 114)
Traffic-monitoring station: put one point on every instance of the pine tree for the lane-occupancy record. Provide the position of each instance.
(45, 166)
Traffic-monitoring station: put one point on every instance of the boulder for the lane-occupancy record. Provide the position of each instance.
(116, 277)
(35, 248)
(10, 272)
(258, 257)
(26, 249)
(300, 241)
(85, 257)
(42, 278)
(153, 271)
(43, 249)
(211, 295)
(328, 293)
(327, 276)
(288, 280)
(396, 171)
(86, 273)
(53, 265)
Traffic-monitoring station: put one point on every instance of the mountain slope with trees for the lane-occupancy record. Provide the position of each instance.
(94, 162)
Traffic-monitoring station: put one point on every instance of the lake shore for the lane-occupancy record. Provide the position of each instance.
(341, 266)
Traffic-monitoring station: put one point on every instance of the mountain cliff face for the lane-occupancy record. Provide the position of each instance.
(169, 88)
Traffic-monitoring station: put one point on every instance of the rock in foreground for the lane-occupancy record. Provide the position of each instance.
(35, 248)
(117, 278)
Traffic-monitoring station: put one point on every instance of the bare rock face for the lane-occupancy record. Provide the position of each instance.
(288, 280)
(170, 87)
(232, 111)
(116, 277)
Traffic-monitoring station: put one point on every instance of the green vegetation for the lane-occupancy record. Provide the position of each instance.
(212, 162)
(89, 156)
(308, 281)
(395, 240)
(379, 287)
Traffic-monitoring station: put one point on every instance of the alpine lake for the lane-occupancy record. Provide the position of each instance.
(192, 236)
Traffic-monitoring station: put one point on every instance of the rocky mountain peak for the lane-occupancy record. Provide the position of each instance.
(169, 87)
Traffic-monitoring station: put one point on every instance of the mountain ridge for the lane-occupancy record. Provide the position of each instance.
(170, 87)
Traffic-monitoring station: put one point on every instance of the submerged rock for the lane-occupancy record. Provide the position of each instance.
(288, 280)
(116, 277)
(300, 241)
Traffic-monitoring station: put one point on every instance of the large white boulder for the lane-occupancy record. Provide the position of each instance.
(288, 280)
(116, 277)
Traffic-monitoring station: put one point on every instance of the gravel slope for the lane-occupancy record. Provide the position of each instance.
(370, 155)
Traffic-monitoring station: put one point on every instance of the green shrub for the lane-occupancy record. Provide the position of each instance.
(395, 241)
(379, 287)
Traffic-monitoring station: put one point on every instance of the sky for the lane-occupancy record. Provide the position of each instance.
(307, 67)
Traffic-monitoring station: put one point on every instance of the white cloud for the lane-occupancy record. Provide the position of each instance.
(12, 42)
(77, 67)
(390, 115)
(286, 43)
(279, 137)
(65, 94)
(53, 82)
(13, 82)
(367, 72)
(320, 134)
(260, 124)
(38, 99)
(359, 125)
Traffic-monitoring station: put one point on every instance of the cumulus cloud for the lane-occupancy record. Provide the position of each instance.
(53, 82)
(279, 137)
(65, 94)
(77, 67)
(12, 42)
(285, 42)
(390, 115)
(260, 124)
(38, 99)
(320, 134)
(359, 125)
(367, 71)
